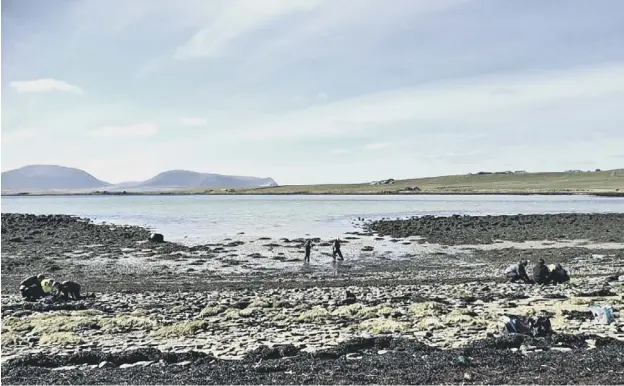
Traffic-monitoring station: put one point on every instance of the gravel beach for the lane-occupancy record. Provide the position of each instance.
(247, 310)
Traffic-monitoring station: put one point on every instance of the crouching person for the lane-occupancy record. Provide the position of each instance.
(558, 275)
(30, 288)
(68, 290)
(541, 274)
(517, 272)
(47, 286)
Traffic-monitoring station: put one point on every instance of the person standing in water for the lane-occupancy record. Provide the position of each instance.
(337, 250)
(308, 249)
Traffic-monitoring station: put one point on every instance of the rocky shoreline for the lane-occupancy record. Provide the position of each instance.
(453, 230)
(128, 338)
(433, 309)
(381, 360)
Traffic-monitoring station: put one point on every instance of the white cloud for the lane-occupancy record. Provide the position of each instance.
(321, 95)
(45, 85)
(236, 19)
(376, 145)
(137, 130)
(190, 121)
(19, 135)
(473, 98)
(340, 151)
(153, 65)
(361, 25)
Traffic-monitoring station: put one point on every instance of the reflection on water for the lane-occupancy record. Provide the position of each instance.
(334, 265)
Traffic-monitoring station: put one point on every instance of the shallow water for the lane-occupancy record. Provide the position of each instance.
(198, 219)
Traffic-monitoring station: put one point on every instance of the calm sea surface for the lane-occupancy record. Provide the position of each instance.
(195, 219)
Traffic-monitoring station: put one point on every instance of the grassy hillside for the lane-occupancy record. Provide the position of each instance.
(579, 182)
(602, 182)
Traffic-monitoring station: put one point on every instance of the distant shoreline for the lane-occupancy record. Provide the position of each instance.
(303, 193)
(608, 183)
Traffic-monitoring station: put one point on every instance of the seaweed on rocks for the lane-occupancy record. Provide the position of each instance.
(275, 352)
(597, 293)
(44, 359)
(554, 296)
(40, 306)
(455, 230)
(578, 315)
(400, 361)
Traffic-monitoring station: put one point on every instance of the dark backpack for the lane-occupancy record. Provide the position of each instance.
(533, 326)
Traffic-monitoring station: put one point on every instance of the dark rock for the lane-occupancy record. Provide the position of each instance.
(578, 315)
(597, 293)
(349, 298)
(53, 268)
(555, 296)
(275, 352)
(157, 238)
(241, 304)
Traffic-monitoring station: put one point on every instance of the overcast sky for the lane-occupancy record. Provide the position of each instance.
(311, 91)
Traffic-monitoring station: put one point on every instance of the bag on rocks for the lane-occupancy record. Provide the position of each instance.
(532, 326)
(603, 315)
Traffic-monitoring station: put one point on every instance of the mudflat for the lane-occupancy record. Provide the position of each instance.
(249, 311)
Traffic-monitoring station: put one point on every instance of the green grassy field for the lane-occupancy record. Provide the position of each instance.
(609, 182)
(580, 182)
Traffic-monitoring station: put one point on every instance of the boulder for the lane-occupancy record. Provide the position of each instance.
(157, 238)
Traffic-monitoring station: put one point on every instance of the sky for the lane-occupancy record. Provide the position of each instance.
(312, 91)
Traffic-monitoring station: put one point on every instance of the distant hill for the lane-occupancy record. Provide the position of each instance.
(598, 182)
(49, 177)
(46, 178)
(189, 180)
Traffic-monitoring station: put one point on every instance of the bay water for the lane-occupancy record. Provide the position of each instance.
(198, 219)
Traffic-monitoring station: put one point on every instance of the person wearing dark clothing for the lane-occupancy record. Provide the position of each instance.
(541, 274)
(33, 280)
(30, 288)
(68, 290)
(558, 275)
(308, 249)
(337, 251)
(32, 293)
(517, 272)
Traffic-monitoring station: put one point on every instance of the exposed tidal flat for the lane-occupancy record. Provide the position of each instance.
(243, 308)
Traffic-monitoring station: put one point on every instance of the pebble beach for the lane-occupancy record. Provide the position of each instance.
(429, 297)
